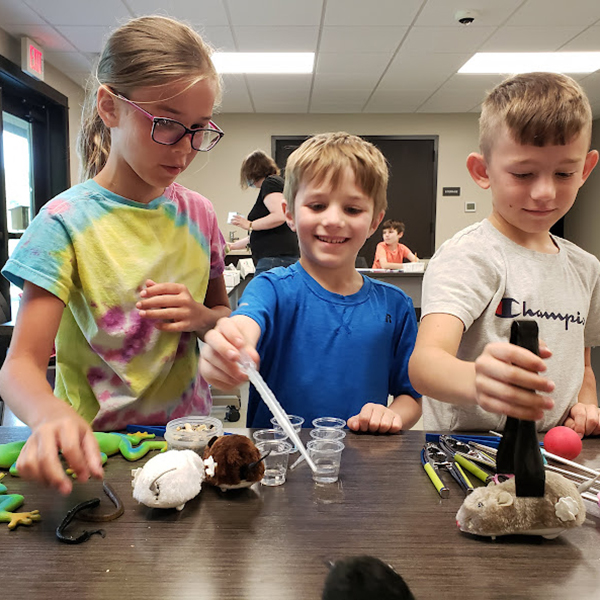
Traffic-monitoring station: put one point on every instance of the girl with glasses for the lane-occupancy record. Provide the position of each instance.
(124, 269)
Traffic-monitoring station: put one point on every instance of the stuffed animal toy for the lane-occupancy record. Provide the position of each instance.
(364, 578)
(169, 480)
(238, 463)
(497, 510)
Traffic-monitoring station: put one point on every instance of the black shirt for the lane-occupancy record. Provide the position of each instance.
(279, 241)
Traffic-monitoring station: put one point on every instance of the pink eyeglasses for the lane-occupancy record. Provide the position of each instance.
(167, 131)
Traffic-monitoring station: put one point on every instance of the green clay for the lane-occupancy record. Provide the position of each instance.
(130, 445)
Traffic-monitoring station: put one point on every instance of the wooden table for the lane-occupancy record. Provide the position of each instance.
(272, 543)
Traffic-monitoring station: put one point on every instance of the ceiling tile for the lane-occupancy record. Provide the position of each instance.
(587, 41)
(67, 12)
(421, 70)
(446, 39)
(332, 95)
(440, 13)
(235, 94)
(86, 39)
(541, 13)
(269, 106)
(349, 62)
(449, 101)
(276, 39)
(199, 13)
(275, 13)
(44, 35)
(15, 12)
(529, 39)
(364, 14)
(279, 87)
(220, 38)
(385, 101)
(361, 39)
(347, 81)
(337, 107)
(69, 61)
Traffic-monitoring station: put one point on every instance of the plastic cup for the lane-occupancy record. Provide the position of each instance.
(296, 422)
(276, 453)
(327, 456)
(324, 433)
(329, 423)
(269, 435)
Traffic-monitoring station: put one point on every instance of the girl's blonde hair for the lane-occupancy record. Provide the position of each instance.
(326, 156)
(148, 51)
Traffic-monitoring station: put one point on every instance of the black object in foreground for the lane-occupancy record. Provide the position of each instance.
(364, 578)
(519, 450)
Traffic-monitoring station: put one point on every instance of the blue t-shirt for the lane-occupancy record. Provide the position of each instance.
(323, 354)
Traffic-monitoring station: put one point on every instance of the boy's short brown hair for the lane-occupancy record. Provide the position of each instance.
(257, 165)
(391, 224)
(539, 109)
(327, 155)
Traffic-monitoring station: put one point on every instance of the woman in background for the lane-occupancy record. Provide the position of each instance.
(272, 242)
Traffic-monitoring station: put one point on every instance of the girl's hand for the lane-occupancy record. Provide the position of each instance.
(220, 354)
(376, 418)
(171, 307)
(507, 381)
(69, 433)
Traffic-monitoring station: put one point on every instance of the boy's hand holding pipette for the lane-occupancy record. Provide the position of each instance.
(172, 308)
(220, 355)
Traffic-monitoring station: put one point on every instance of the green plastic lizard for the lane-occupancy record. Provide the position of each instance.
(10, 502)
(110, 443)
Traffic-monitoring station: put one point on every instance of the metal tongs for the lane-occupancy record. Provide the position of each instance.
(434, 458)
(469, 456)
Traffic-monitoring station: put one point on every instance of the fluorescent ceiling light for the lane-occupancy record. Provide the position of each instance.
(264, 62)
(526, 62)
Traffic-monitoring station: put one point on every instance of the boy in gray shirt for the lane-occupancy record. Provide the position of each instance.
(535, 132)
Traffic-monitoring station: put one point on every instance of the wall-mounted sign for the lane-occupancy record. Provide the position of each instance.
(32, 58)
(451, 191)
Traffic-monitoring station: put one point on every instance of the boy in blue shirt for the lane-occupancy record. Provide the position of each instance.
(330, 342)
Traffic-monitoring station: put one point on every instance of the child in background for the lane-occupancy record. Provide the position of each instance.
(390, 253)
(125, 269)
(535, 132)
(331, 342)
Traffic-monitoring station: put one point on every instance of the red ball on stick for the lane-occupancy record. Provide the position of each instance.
(563, 442)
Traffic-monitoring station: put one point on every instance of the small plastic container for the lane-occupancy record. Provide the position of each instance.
(193, 434)
(327, 433)
(329, 423)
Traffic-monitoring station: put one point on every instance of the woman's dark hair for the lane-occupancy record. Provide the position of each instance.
(257, 165)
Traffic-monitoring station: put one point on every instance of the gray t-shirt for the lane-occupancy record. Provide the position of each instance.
(487, 281)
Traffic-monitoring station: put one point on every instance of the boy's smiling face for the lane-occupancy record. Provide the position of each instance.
(332, 224)
(532, 187)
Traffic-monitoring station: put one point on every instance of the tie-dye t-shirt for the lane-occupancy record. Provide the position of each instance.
(94, 250)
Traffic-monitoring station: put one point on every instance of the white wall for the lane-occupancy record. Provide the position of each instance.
(10, 48)
(216, 175)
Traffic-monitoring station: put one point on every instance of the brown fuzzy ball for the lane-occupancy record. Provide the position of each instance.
(238, 462)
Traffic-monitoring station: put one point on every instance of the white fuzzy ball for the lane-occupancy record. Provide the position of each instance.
(169, 480)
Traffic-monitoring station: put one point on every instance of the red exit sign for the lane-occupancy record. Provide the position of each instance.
(32, 58)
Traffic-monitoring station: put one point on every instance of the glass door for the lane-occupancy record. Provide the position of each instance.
(18, 180)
